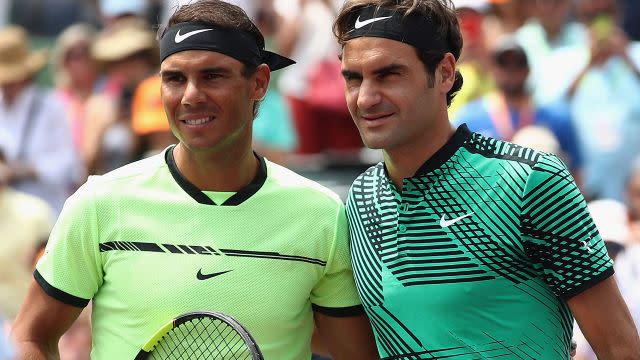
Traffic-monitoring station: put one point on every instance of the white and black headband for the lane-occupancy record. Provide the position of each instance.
(414, 29)
(236, 44)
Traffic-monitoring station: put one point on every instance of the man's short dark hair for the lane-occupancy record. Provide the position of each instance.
(440, 12)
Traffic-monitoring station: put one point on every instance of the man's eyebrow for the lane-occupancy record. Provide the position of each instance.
(348, 74)
(164, 73)
(380, 71)
(216, 69)
(389, 69)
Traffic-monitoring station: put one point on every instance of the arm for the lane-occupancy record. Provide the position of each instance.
(347, 338)
(611, 332)
(40, 323)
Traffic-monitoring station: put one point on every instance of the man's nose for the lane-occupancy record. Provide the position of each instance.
(192, 94)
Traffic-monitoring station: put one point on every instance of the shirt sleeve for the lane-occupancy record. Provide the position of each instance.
(335, 294)
(559, 235)
(70, 269)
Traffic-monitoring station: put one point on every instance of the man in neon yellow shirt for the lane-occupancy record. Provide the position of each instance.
(206, 225)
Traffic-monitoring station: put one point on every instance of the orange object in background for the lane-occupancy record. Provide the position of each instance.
(147, 112)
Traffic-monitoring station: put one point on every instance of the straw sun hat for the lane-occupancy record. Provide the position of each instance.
(127, 37)
(17, 62)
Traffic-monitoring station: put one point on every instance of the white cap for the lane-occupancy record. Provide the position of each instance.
(610, 217)
(477, 5)
(538, 138)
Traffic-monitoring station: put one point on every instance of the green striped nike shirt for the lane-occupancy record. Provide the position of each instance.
(475, 258)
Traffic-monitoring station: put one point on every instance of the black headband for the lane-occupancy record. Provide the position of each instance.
(414, 29)
(237, 44)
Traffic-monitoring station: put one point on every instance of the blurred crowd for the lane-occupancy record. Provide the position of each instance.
(561, 76)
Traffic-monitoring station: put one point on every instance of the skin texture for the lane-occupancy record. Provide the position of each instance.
(611, 332)
(392, 104)
(200, 84)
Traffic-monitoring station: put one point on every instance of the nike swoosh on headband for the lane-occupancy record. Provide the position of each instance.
(360, 24)
(180, 37)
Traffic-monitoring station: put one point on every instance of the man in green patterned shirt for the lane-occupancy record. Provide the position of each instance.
(463, 246)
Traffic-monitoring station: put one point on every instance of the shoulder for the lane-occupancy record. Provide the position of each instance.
(281, 178)
(367, 182)
(494, 150)
(130, 175)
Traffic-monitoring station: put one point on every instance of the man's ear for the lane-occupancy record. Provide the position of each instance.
(447, 72)
(261, 79)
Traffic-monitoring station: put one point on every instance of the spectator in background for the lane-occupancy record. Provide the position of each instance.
(505, 17)
(502, 113)
(148, 119)
(474, 60)
(6, 348)
(251, 7)
(601, 82)
(538, 138)
(75, 75)
(633, 200)
(631, 11)
(112, 11)
(127, 51)
(314, 87)
(274, 134)
(25, 224)
(549, 29)
(40, 158)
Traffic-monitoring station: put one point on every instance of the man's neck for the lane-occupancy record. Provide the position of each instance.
(227, 171)
(403, 161)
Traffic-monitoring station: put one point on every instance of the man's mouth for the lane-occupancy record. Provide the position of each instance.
(199, 121)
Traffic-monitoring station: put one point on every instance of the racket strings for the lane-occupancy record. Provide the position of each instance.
(202, 338)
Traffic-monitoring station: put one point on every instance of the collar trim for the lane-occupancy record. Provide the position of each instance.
(238, 198)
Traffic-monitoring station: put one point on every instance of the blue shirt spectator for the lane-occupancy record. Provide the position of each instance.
(556, 117)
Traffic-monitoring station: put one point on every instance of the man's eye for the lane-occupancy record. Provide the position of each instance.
(172, 78)
(388, 74)
(213, 76)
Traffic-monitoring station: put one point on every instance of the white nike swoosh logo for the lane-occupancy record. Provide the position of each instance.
(360, 24)
(446, 223)
(179, 38)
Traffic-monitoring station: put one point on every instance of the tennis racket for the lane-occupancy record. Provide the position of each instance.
(201, 335)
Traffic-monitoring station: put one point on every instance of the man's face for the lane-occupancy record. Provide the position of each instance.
(388, 93)
(208, 100)
(510, 71)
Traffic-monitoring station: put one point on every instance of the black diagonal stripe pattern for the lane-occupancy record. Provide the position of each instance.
(505, 228)
(367, 236)
(202, 250)
(559, 232)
